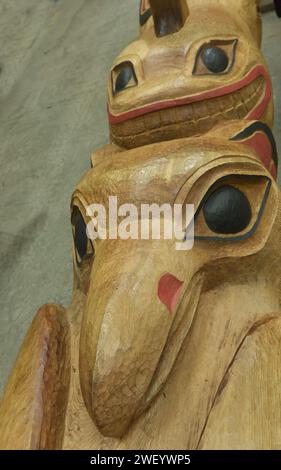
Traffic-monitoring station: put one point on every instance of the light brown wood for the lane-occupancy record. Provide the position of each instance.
(252, 383)
(34, 404)
(129, 365)
(156, 376)
(168, 70)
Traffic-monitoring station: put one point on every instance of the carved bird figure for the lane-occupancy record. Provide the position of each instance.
(160, 348)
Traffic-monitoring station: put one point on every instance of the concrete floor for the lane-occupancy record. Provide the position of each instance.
(54, 58)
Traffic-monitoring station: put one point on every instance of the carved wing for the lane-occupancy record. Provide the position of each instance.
(247, 410)
(33, 408)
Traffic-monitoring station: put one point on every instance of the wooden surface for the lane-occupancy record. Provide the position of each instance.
(41, 382)
(123, 354)
(54, 60)
(252, 384)
(174, 94)
(153, 386)
(52, 116)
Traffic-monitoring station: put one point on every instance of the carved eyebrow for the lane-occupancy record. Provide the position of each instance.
(258, 127)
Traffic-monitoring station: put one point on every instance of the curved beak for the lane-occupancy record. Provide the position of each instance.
(125, 329)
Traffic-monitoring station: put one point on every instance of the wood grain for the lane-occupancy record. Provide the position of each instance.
(128, 366)
(174, 95)
(34, 404)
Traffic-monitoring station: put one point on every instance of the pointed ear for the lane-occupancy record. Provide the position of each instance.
(169, 15)
(145, 12)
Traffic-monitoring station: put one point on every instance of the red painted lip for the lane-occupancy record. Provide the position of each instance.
(256, 113)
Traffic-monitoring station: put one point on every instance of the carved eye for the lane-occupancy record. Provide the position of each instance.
(227, 211)
(123, 77)
(232, 208)
(216, 57)
(83, 246)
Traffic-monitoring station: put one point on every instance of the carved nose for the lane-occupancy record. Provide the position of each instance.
(169, 289)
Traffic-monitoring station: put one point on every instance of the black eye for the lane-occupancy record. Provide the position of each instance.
(215, 59)
(80, 237)
(123, 77)
(82, 243)
(227, 211)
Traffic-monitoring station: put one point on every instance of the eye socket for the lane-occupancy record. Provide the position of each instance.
(227, 211)
(123, 77)
(83, 246)
(215, 57)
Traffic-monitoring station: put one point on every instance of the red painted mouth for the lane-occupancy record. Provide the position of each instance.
(255, 114)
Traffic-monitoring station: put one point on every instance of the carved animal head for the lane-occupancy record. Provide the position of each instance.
(195, 64)
(142, 297)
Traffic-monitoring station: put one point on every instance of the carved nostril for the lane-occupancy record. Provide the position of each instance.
(169, 289)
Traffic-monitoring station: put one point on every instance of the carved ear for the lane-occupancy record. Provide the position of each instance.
(169, 15)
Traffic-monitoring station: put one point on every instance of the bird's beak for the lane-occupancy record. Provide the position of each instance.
(125, 327)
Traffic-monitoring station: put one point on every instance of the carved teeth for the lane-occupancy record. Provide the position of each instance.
(187, 120)
(152, 121)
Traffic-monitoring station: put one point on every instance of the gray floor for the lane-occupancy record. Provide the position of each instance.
(54, 58)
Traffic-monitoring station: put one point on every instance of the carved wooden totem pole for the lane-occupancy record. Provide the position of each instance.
(164, 349)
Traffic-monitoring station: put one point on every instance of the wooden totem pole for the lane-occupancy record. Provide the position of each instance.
(165, 349)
